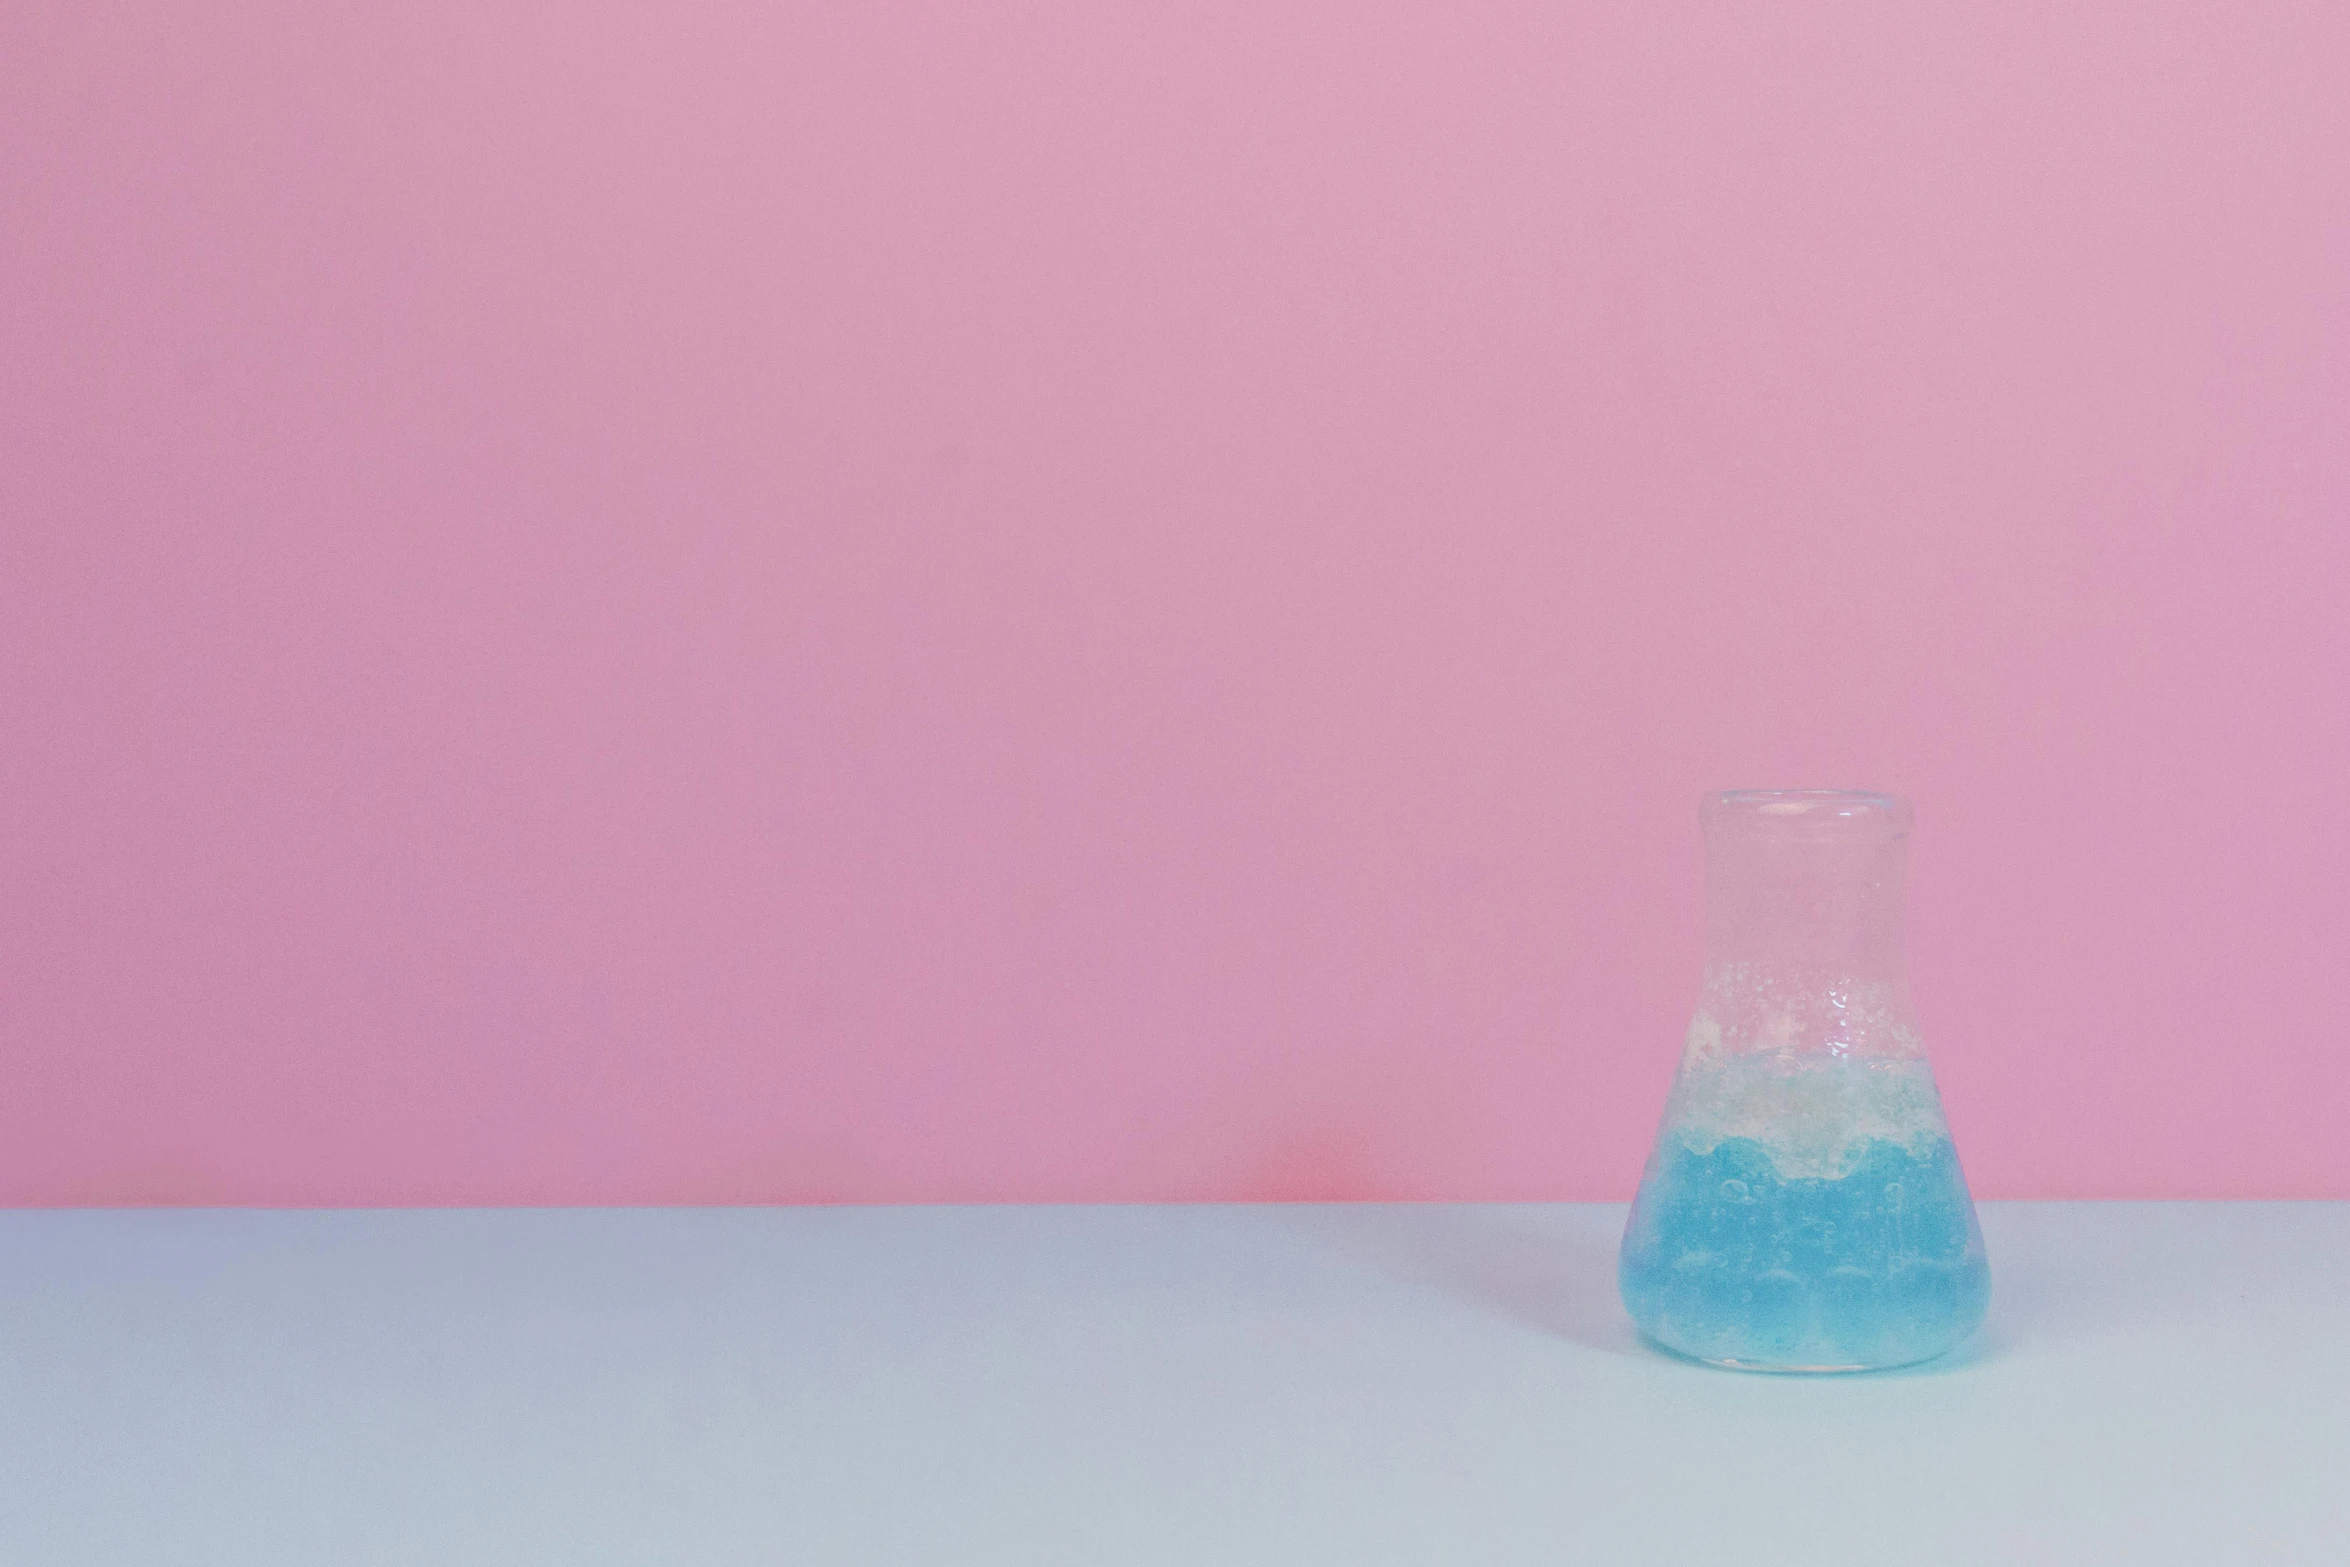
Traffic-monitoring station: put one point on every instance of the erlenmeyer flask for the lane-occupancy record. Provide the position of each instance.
(1803, 1209)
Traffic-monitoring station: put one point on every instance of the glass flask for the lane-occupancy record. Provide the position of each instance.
(1803, 1209)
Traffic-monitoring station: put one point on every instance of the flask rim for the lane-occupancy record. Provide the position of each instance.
(1809, 810)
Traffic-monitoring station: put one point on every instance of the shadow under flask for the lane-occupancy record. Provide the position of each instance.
(1803, 1209)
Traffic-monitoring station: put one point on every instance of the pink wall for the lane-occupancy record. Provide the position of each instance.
(697, 602)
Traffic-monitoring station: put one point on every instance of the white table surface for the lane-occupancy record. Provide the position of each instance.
(2160, 1383)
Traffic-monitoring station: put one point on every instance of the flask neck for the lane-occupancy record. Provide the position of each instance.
(1806, 905)
(1804, 952)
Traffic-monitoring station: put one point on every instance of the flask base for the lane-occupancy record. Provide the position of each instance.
(1785, 1368)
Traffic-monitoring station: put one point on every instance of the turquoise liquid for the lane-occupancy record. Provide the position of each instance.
(1878, 1263)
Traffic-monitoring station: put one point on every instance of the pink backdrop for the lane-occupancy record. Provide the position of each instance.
(713, 602)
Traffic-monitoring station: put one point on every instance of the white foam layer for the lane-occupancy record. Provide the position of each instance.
(1814, 1115)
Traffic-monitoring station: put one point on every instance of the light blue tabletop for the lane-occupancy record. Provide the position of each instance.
(2160, 1383)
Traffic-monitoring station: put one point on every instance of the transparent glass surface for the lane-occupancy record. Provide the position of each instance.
(1803, 1208)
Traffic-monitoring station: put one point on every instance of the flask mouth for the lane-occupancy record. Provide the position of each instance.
(1807, 813)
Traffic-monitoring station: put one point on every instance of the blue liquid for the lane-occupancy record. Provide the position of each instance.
(1881, 1265)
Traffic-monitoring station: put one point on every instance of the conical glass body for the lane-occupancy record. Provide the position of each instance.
(1803, 1209)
